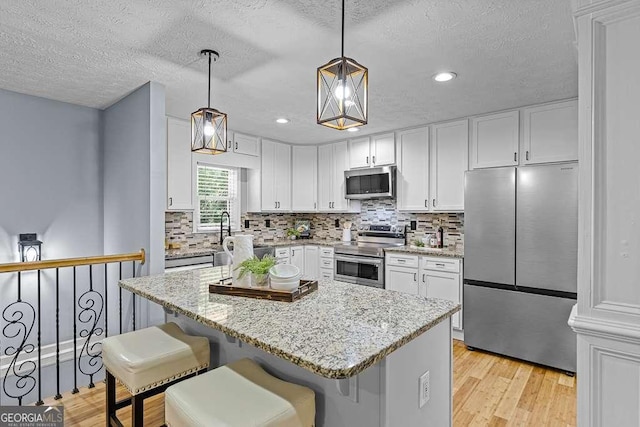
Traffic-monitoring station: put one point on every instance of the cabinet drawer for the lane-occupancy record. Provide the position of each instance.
(326, 252)
(441, 264)
(282, 252)
(326, 263)
(326, 274)
(402, 260)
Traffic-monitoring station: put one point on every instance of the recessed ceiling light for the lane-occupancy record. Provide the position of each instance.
(282, 120)
(353, 130)
(444, 76)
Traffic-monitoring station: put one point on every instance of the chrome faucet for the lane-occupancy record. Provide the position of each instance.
(229, 224)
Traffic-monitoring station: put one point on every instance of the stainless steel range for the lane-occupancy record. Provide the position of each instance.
(362, 262)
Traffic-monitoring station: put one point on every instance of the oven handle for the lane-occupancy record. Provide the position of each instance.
(361, 260)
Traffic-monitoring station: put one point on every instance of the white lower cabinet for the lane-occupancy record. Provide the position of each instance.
(431, 277)
(297, 257)
(326, 264)
(311, 261)
(283, 255)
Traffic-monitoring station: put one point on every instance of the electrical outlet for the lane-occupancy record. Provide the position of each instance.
(424, 391)
(267, 223)
(414, 225)
(246, 223)
(337, 224)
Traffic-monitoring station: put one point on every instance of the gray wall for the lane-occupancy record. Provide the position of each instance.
(134, 159)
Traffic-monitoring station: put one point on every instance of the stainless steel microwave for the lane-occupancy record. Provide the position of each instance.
(372, 183)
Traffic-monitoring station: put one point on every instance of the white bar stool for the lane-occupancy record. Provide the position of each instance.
(239, 394)
(148, 361)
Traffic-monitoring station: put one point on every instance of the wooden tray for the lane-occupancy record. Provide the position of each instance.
(306, 287)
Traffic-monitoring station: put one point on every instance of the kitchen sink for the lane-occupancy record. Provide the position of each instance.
(221, 258)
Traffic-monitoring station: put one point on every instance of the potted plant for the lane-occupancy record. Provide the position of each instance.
(293, 234)
(258, 268)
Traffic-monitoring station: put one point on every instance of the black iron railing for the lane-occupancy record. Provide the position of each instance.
(21, 341)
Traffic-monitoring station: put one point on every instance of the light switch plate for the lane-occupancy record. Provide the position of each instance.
(424, 391)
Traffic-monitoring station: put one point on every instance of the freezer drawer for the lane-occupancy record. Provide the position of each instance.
(521, 325)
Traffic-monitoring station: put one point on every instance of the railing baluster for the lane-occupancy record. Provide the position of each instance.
(106, 304)
(133, 299)
(58, 395)
(75, 336)
(91, 384)
(120, 296)
(39, 402)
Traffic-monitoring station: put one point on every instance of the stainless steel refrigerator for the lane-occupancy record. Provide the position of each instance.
(521, 242)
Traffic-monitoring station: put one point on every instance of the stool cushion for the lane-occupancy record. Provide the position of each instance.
(240, 394)
(147, 358)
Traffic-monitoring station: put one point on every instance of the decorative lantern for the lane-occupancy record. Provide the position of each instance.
(208, 125)
(29, 247)
(343, 87)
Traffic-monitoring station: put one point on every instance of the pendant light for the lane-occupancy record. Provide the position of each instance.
(208, 125)
(343, 87)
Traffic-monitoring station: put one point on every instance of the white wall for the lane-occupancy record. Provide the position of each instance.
(134, 159)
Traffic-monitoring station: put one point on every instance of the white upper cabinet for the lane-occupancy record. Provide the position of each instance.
(304, 178)
(413, 170)
(178, 165)
(383, 150)
(368, 152)
(245, 144)
(359, 153)
(276, 176)
(449, 148)
(333, 160)
(494, 141)
(551, 133)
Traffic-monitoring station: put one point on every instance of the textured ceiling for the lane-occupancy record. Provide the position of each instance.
(507, 53)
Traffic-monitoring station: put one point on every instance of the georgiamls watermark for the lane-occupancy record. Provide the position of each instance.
(31, 416)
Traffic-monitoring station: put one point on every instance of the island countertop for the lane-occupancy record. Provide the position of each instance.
(336, 332)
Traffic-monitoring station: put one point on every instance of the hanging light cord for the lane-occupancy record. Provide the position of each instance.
(209, 91)
(342, 28)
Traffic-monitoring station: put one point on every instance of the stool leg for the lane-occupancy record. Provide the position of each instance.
(111, 397)
(137, 410)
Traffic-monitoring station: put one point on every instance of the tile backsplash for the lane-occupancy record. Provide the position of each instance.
(179, 225)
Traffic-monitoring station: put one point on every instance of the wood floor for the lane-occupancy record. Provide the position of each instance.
(488, 390)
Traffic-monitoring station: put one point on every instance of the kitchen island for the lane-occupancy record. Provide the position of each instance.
(362, 350)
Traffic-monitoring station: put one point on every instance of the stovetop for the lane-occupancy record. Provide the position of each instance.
(372, 240)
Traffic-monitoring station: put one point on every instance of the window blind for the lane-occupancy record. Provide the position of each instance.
(217, 192)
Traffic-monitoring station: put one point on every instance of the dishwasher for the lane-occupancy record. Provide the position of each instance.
(190, 263)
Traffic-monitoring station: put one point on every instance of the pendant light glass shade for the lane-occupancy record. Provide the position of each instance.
(343, 88)
(208, 125)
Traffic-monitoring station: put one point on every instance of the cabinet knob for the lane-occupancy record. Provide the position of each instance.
(170, 201)
(415, 277)
(515, 157)
(527, 155)
(423, 278)
(374, 160)
(434, 203)
(367, 160)
(426, 203)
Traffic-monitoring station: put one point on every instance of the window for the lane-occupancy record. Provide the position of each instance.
(217, 191)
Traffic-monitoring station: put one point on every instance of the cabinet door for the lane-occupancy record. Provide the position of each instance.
(359, 153)
(304, 176)
(494, 140)
(297, 257)
(325, 177)
(340, 164)
(443, 286)
(413, 170)
(449, 147)
(268, 172)
(282, 182)
(244, 144)
(178, 165)
(402, 279)
(311, 262)
(383, 150)
(551, 133)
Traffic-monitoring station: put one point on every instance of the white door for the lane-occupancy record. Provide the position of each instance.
(402, 279)
(359, 153)
(311, 262)
(494, 141)
(297, 257)
(245, 144)
(443, 286)
(413, 170)
(449, 147)
(267, 173)
(178, 165)
(304, 176)
(551, 133)
(383, 150)
(325, 177)
(341, 164)
(282, 182)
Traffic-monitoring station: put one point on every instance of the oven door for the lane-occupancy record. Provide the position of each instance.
(360, 270)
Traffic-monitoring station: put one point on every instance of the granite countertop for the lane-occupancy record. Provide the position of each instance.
(336, 332)
(194, 252)
(444, 252)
